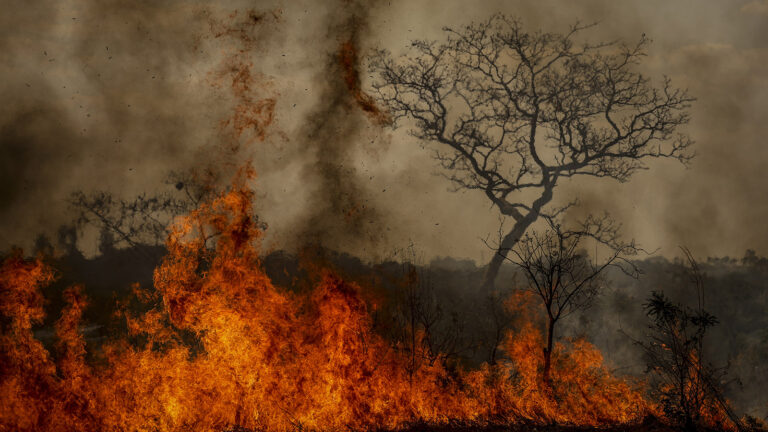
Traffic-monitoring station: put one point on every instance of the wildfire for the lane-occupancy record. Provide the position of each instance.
(264, 358)
(217, 346)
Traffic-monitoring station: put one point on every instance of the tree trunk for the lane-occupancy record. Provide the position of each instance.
(507, 243)
(548, 353)
(514, 235)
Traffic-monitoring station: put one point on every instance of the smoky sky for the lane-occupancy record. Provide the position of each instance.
(115, 95)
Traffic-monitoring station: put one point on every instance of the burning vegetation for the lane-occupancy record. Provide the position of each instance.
(217, 346)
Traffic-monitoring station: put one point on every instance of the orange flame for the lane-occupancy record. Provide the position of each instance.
(221, 347)
(582, 389)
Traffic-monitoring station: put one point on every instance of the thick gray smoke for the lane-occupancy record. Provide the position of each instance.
(96, 95)
(110, 95)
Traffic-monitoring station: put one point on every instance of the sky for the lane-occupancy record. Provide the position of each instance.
(113, 95)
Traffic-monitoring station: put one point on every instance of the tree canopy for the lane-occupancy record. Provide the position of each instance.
(513, 112)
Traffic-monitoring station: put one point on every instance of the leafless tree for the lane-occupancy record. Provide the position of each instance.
(142, 220)
(562, 275)
(513, 112)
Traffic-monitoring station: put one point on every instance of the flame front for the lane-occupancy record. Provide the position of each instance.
(219, 347)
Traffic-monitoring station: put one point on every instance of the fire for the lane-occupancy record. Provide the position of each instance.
(216, 346)
(582, 390)
(219, 347)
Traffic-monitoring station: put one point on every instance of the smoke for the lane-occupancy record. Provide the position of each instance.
(114, 96)
(110, 95)
(341, 213)
(94, 97)
(716, 50)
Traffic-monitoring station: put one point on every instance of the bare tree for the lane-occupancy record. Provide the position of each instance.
(513, 112)
(144, 220)
(561, 273)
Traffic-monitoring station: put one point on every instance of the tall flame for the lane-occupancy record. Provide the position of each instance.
(219, 346)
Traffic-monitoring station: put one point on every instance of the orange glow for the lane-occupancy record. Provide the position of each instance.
(265, 358)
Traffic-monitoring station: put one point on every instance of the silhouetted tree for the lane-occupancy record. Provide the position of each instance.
(513, 112)
(562, 275)
(144, 220)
